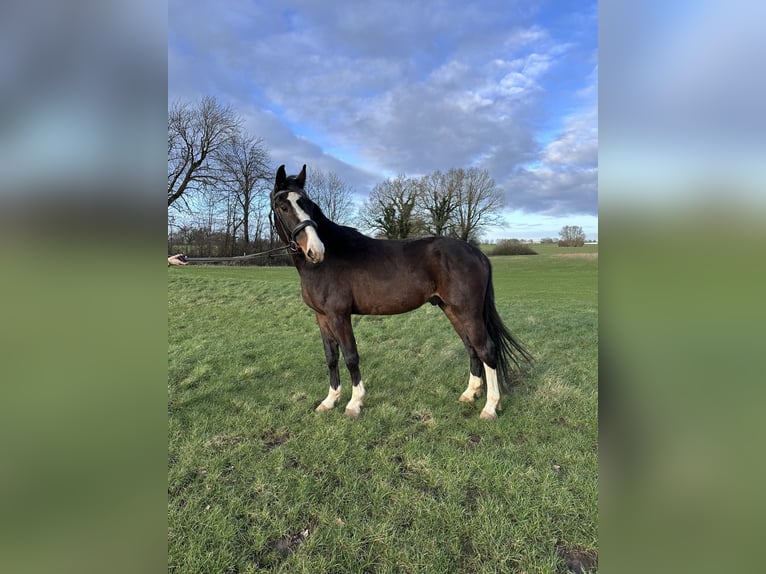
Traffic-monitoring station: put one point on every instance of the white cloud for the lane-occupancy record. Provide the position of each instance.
(553, 192)
(404, 87)
(578, 144)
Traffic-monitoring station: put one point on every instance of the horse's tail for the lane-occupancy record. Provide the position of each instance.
(511, 354)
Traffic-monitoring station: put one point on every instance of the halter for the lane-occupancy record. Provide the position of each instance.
(293, 244)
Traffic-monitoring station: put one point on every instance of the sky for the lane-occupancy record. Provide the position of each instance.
(379, 89)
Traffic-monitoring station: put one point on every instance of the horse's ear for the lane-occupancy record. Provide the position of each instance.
(281, 181)
(302, 177)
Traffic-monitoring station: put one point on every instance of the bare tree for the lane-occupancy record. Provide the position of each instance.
(438, 202)
(478, 203)
(212, 218)
(571, 236)
(390, 209)
(246, 171)
(196, 135)
(331, 194)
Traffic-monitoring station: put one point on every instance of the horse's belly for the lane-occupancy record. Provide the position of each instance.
(388, 302)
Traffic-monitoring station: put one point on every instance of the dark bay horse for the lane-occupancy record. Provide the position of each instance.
(344, 272)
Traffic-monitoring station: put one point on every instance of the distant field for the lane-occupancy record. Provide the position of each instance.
(259, 482)
(551, 248)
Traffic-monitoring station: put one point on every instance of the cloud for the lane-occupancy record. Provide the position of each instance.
(577, 145)
(380, 89)
(564, 178)
(553, 191)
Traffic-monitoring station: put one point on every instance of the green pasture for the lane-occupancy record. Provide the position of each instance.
(259, 482)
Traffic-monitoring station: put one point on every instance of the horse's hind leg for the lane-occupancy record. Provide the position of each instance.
(332, 355)
(493, 394)
(474, 380)
(487, 354)
(474, 388)
(471, 328)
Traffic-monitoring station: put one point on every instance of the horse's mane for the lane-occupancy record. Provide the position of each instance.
(334, 233)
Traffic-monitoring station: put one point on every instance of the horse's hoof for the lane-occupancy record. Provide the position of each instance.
(466, 399)
(488, 416)
(352, 414)
(321, 408)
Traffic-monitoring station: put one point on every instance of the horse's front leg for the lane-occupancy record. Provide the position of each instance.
(332, 355)
(341, 326)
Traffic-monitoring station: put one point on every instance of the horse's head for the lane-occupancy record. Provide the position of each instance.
(293, 212)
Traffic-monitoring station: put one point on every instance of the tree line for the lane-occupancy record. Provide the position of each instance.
(220, 178)
(458, 203)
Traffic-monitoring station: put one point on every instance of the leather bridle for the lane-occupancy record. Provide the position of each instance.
(293, 244)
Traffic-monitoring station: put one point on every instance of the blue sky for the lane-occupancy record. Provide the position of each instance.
(373, 90)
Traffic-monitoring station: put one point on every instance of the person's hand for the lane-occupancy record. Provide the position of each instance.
(178, 259)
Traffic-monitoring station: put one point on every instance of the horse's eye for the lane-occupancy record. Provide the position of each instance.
(283, 207)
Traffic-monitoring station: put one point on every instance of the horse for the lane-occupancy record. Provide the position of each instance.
(344, 273)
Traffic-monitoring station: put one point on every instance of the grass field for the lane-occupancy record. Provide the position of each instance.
(257, 481)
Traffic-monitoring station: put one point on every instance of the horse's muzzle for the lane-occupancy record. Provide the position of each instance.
(314, 249)
(314, 257)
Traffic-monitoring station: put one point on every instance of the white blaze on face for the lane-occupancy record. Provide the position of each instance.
(314, 250)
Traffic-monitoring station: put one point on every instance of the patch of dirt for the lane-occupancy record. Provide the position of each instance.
(286, 545)
(272, 439)
(281, 549)
(432, 491)
(424, 417)
(576, 559)
(471, 499)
